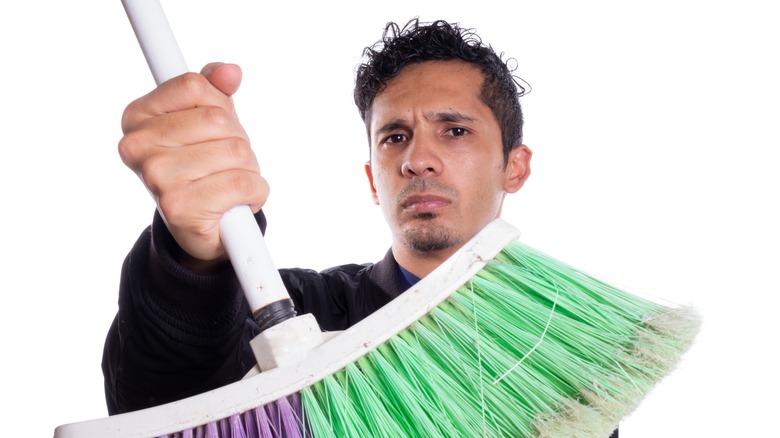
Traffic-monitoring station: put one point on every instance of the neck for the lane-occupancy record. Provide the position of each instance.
(420, 264)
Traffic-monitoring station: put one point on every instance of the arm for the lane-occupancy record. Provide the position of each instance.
(177, 333)
(181, 327)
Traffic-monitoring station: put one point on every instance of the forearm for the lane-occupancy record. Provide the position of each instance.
(177, 333)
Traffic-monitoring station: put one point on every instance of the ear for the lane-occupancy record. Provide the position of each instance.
(518, 168)
(370, 176)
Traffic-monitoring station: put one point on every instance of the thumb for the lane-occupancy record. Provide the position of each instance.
(225, 77)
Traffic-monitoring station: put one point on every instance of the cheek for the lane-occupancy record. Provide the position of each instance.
(382, 176)
(489, 191)
(382, 187)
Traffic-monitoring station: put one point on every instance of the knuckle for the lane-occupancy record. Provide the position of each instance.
(150, 170)
(129, 116)
(193, 82)
(172, 206)
(127, 148)
(216, 116)
(261, 194)
(243, 183)
(240, 150)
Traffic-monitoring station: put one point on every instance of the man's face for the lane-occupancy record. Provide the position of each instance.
(437, 166)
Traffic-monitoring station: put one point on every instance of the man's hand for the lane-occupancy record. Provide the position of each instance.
(186, 144)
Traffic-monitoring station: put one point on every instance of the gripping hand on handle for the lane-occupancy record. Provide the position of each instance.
(197, 111)
(186, 144)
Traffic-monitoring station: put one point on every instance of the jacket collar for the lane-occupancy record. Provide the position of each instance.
(385, 275)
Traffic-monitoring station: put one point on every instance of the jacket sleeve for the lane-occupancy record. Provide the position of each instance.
(176, 333)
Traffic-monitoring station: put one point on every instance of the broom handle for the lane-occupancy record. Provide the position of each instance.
(265, 292)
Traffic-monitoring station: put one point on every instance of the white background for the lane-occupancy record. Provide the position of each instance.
(654, 127)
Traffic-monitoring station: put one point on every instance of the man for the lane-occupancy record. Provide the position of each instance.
(444, 126)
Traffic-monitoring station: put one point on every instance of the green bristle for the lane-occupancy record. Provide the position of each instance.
(528, 347)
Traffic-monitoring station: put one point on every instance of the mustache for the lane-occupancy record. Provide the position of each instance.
(421, 185)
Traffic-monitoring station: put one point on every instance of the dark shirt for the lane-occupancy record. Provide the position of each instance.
(407, 278)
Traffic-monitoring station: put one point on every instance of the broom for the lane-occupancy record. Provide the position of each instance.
(500, 340)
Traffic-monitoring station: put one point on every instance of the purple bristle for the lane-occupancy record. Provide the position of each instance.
(289, 419)
(224, 428)
(211, 430)
(262, 422)
(280, 419)
(236, 427)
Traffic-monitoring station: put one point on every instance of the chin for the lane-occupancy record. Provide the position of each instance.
(429, 237)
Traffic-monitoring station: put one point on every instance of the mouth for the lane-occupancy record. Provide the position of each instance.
(424, 203)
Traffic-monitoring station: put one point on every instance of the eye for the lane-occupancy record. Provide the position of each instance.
(457, 132)
(395, 139)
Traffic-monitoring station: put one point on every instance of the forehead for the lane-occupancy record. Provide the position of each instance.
(438, 74)
(431, 86)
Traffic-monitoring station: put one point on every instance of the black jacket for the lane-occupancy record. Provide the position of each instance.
(178, 334)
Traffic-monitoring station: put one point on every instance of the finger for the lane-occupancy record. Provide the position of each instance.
(229, 189)
(174, 167)
(225, 77)
(186, 127)
(181, 129)
(190, 90)
(193, 212)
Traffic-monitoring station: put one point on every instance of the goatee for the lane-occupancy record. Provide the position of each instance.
(428, 237)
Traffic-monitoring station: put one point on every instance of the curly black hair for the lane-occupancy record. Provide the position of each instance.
(418, 42)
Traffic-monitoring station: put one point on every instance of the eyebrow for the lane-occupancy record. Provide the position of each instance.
(392, 125)
(442, 116)
(451, 116)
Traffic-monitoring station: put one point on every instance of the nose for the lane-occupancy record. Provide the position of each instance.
(422, 159)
